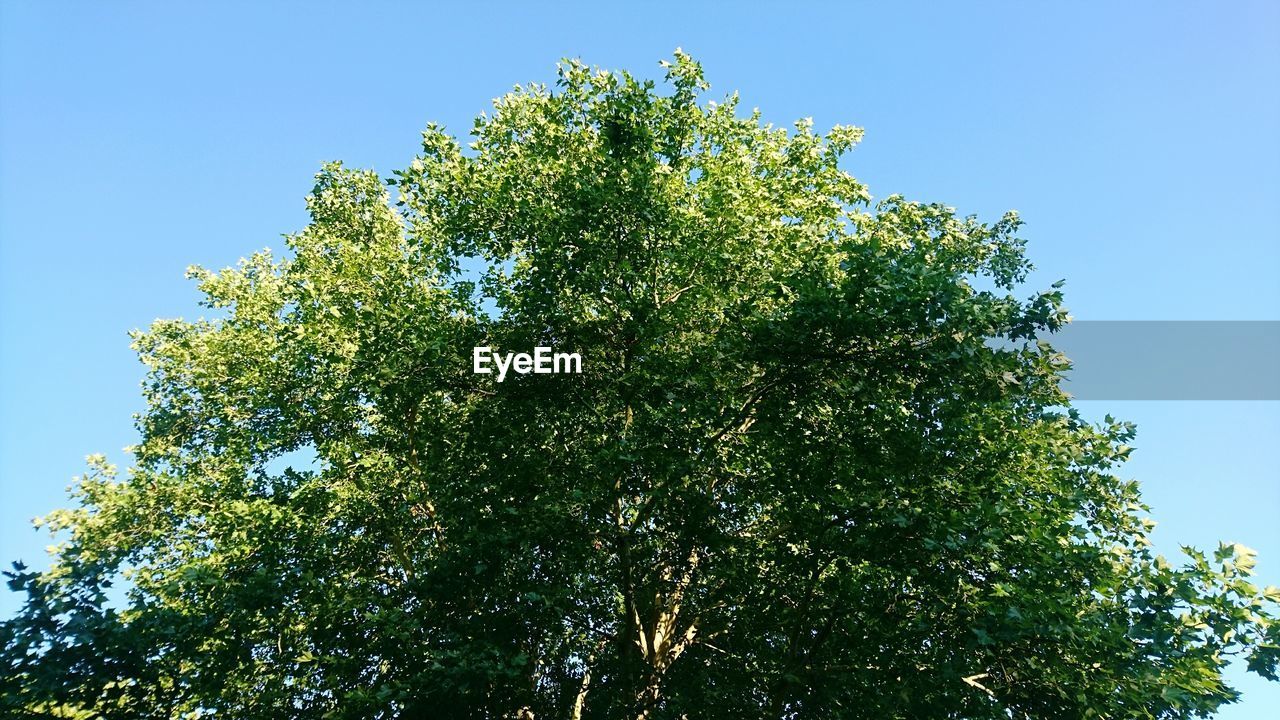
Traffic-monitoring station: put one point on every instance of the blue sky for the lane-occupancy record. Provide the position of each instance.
(1140, 142)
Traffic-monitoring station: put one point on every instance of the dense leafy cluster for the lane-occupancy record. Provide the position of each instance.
(796, 479)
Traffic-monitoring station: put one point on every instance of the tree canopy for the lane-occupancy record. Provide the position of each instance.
(817, 464)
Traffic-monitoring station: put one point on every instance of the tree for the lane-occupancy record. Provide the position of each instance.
(795, 479)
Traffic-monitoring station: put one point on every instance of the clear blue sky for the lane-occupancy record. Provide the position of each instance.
(1140, 141)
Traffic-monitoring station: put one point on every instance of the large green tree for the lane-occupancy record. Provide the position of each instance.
(795, 479)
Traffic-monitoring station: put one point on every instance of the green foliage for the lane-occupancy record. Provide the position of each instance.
(796, 479)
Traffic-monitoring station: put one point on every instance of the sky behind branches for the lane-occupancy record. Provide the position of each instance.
(1140, 142)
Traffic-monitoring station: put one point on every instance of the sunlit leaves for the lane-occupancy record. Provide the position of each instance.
(818, 463)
